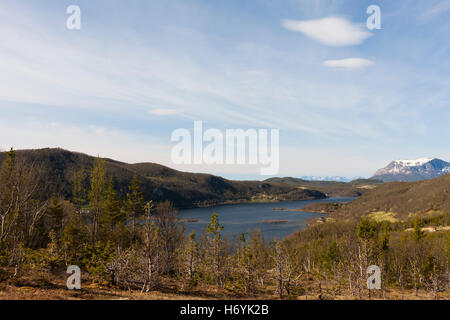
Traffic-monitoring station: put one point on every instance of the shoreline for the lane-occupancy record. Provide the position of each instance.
(244, 201)
(233, 202)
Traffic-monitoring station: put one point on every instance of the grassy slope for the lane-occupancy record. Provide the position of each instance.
(402, 200)
(332, 188)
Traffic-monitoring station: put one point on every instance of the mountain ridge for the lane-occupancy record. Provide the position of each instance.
(413, 170)
(158, 182)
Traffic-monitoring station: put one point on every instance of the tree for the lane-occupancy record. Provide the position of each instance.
(171, 233)
(247, 271)
(415, 254)
(433, 273)
(97, 195)
(190, 260)
(55, 217)
(418, 234)
(331, 261)
(281, 263)
(7, 194)
(78, 190)
(214, 250)
(20, 207)
(74, 239)
(367, 232)
(331, 257)
(112, 214)
(251, 264)
(152, 245)
(134, 204)
(384, 249)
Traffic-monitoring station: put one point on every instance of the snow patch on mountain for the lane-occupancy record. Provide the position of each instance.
(411, 163)
(413, 170)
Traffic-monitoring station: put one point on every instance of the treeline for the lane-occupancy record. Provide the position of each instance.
(133, 244)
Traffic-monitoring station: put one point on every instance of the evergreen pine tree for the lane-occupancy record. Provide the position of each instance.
(134, 204)
(97, 195)
(112, 214)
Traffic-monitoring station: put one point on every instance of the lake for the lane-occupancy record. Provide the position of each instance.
(240, 218)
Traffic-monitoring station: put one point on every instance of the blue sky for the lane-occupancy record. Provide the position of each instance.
(347, 100)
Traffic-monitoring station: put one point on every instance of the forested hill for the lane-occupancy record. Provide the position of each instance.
(158, 182)
(401, 200)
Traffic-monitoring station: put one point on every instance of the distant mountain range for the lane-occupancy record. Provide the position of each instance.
(413, 170)
(328, 178)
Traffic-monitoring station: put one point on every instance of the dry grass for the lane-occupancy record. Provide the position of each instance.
(27, 288)
(171, 291)
(383, 216)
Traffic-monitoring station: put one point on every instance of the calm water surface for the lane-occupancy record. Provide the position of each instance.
(240, 218)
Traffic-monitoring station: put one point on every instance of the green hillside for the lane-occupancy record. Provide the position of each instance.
(158, 182)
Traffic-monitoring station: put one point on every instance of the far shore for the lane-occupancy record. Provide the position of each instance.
(246, 201)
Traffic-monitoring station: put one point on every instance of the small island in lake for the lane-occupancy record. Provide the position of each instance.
(274, 221)
(189, 220)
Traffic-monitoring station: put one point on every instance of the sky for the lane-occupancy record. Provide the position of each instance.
(346, 100)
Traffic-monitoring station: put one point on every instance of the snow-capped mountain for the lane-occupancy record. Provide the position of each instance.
(326, 178)
(413, 170)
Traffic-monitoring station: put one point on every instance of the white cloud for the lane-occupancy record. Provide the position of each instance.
(349, 63)
(330, 31)
(87, 71)
(164, 112)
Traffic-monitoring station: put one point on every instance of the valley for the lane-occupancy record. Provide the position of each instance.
(186, 190)
(145, 231)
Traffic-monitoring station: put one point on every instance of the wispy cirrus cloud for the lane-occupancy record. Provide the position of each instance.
(330, 31)
(119, 86)
(349, 63)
